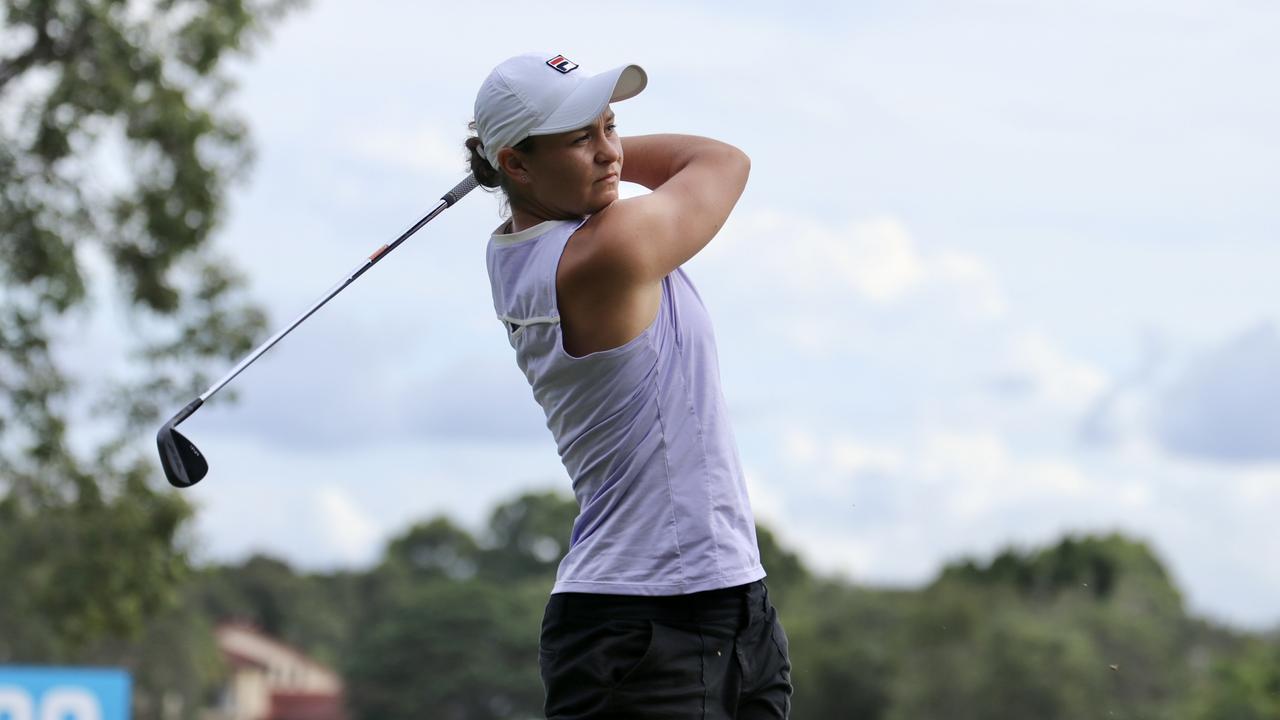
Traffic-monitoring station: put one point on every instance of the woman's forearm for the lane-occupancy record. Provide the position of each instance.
(651, 160)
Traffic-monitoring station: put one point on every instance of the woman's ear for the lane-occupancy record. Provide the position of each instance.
(511, 163)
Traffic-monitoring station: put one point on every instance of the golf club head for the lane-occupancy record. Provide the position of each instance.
(184, 464)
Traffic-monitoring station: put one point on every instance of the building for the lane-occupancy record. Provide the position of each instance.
(270, 680)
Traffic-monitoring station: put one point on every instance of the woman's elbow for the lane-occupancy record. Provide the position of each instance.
(739, 163)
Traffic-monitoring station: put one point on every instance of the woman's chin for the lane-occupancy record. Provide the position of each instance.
(602, 200)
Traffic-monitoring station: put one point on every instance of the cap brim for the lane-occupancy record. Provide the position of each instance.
(589, 99)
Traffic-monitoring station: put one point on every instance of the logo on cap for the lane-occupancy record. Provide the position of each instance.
(562, 64)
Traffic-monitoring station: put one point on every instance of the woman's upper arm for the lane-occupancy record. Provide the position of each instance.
(645, 238)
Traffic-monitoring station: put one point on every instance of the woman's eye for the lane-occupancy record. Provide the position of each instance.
(611, 128)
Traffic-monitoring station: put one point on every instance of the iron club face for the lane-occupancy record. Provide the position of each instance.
(184, 464)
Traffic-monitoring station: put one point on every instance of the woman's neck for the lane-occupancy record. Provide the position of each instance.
(523, 218)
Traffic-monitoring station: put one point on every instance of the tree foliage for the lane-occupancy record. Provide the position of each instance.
(449, 620)
(117, 146)
(1242, 685)
(467, 649)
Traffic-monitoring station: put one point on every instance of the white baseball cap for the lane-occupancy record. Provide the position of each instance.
(542, 94)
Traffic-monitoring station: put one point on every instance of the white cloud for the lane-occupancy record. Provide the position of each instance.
(849, 455)
(767, 500)
(875, 258)
(1035, 363)
(875, 261)
(325, 507)
(413, 148)
(351, 534)
(893, 512)
(800, 446)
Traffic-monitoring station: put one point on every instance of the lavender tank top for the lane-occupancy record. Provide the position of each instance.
(642, 430)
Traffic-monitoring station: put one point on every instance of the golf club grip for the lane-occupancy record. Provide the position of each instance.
(467, 185)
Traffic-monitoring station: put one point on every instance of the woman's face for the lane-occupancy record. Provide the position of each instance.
(570, 174)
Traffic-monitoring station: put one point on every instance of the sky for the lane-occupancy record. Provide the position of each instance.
(1003, 271)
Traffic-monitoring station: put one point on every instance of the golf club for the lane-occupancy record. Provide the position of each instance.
(184, 464)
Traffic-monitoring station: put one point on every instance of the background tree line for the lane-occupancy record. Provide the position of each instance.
(446, 624)
(93, 561)
(1088, 627)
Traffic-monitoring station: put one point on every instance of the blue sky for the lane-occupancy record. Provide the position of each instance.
(1003, 270)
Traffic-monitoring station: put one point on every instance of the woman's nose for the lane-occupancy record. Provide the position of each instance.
(608, 152)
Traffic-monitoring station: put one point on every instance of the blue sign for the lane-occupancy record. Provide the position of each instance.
(53, 693)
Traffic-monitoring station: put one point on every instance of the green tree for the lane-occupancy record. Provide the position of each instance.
(787, 573)
(528, 535)
(262, 591)
(314, 612)
(172, 661)
(1088, 627)
(434, 549)
(85, 568)
(842, 648)
(1032, 668)
(116, 149)
(454, 650)
(448, 625)
(1244, 685)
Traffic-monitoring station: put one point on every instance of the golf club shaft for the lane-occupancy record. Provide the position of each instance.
(449, 199)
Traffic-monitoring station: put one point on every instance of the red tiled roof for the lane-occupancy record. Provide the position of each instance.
(273, 641)
(238, 659)
(306, 706)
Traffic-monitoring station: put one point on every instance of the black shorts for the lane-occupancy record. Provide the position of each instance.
(717, 654)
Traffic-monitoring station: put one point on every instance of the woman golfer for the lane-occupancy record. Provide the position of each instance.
(658, 609)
